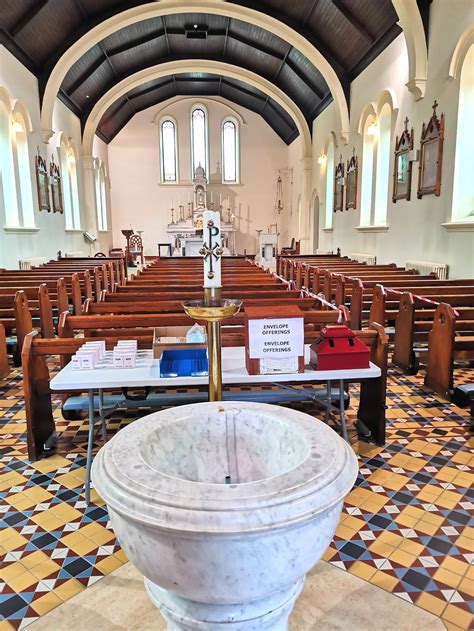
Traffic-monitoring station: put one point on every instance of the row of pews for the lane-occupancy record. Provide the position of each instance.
(36, 297)
(152, 297)
(422, 315)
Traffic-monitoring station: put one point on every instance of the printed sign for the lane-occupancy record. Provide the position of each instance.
(276, 338)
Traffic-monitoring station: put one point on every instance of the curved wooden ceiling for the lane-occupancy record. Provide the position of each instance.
(350, 33)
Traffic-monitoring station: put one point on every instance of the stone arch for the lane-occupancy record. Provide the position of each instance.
(170, 102)
(464, 43)
(199, 65)
(410, 20)
(166, 7)
(19, 109)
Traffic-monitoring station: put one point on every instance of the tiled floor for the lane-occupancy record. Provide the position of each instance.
(405, 526)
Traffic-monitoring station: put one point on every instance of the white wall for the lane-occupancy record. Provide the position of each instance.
(138, 198)
(415, 230)
(51, 236)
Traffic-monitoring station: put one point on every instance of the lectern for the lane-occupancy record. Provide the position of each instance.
(127, 234)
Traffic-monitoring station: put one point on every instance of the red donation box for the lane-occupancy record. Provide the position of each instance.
(338, 348)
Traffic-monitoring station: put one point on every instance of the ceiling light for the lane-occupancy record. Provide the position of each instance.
(195, 25)
(322, 158)
(87, 96)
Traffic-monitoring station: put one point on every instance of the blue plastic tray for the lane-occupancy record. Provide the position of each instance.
(184, 363)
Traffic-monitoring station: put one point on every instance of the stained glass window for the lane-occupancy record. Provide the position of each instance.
(229, 151)
(168, 151)
(198, 139)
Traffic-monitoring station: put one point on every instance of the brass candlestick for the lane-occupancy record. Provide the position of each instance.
(213, 310)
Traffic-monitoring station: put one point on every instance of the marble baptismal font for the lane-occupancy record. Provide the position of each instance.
(224, 507)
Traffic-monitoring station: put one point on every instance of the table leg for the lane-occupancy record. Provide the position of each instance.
(90, 445)
(103, 424)
(328, 402)
(342, 414)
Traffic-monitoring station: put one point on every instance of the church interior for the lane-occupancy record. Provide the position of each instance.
(236, 315)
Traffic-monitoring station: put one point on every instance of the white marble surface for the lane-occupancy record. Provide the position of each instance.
(147, 373)
(234, 546)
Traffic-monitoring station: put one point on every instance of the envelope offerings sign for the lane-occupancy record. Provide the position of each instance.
(276, 338)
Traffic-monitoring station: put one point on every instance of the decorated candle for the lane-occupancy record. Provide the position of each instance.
(212, 248)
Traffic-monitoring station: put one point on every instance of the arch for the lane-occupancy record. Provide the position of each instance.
(197, 107)
(236, 158)
(329, 182)
(19, 110)
(198, 65)
(386, 97)
(68, 159)
(368, 111)
(5, 99)
(164, 119)
(463, 184)
(170, 102)
(462, 47)
(314, 206)
(331, 137)
(410, 20)
(166, 7)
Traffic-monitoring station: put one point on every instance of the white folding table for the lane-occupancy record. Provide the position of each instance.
(147, 374)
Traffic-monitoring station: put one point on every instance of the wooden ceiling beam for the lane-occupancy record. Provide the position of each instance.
(267, 103)
(27, 17)
(353, 20)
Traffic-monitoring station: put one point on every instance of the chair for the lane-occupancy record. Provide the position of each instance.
(136, 248)
(292, 250)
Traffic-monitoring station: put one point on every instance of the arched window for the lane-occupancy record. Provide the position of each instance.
(230, 151)
(70, 186)
(463, 186)
(7, 170)
(168, 145)
(367, 172)
(101, 197)
(384, 135)
(25, 197)
(199, 141)
(329, 183)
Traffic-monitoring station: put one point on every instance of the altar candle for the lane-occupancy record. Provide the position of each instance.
(212, 197)
(212, 241)
(220, 199)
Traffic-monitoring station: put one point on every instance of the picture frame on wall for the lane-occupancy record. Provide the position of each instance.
(339, 186)
(431, 155)
(402, 168)
(352, 181)
(42, 186)
(56, 187)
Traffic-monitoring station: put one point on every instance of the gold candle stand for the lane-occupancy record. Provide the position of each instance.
(213, 310)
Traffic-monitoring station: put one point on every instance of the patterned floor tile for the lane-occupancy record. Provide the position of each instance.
(405, 526)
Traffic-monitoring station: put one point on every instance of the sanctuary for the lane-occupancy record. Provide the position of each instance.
(185, 233)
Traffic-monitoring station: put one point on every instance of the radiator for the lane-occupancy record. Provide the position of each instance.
(68, 255)
(426, 267)
(370, 259)
(33, 262)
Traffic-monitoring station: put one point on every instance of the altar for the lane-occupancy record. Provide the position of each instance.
(185, 233)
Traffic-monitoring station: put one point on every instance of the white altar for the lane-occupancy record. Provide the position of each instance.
(185, 233)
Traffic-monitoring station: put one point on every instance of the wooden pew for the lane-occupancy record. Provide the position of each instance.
(450, 339)
(4, 366)
(415, 320)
